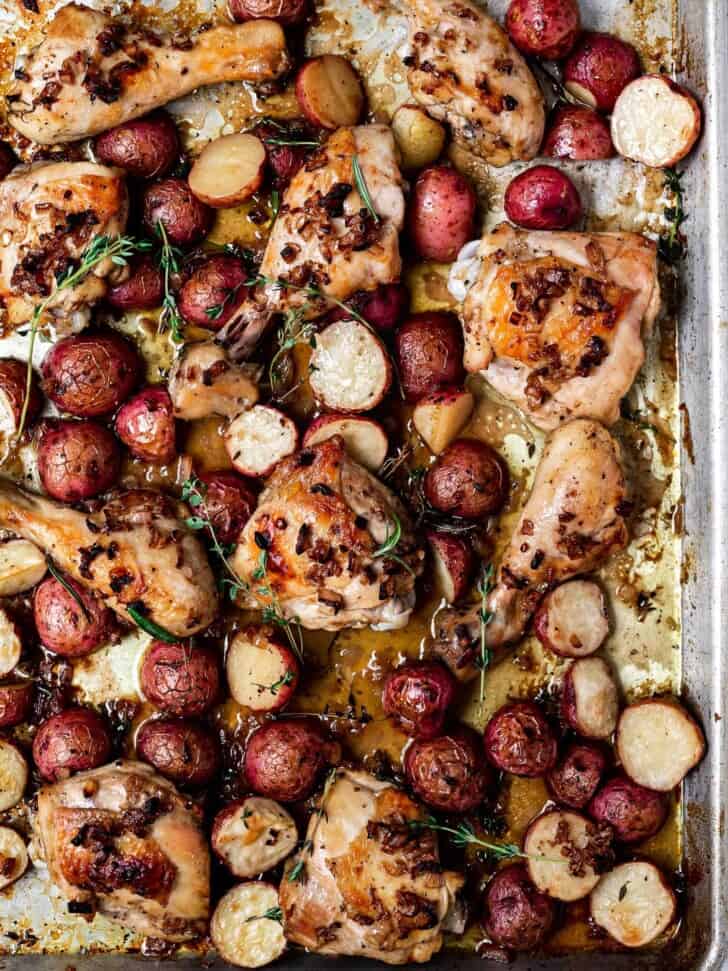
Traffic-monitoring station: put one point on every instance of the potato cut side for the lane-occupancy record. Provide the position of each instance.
(329, 92)
(633, 903)
(253, 835)
(258, 439)
(350, 369)
(13, 775)
(10, 646)
(364, 438)
(241, 931)
(228, 170)
(551, 841)
(420, 139)
(22, 566)
(14, 856)
(591, 699)
(262, 674)
(655, 121)
(452, 559)
(658, 743)
(439, 418)
(572, 620)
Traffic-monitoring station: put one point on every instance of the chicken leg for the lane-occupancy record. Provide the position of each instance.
(91, 72)
(573, 519)
(134, 552)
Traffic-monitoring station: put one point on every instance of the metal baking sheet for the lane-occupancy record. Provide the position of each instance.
(682, 555)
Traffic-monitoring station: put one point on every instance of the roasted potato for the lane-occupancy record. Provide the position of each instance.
(89, 375)
(429, 350)
(418, 696)
(285, 160)
(329, 92)
(577, 775)
(384, 307)
(262, 670)
(518, 739)
(572, 619)
(634, 903)
(172, 203)
(213, 292)
(441, 213)
(285, 12)
(599, 68)
(16, 701)
(441, 416)
(228, 170)
(147, 426)
(453, 561)
(658, 743)
(228, 503)
(63, 625)
(244, 930)
(285, 758)
(468, 479)
(180, 679)
(143, 290)
(517, 915)
(448, 772)
(14, 775)
(365, 439)
(634, 812)
(253, 835)
(542, 197)
(544, 28)
(77, 459)
(185, 752)
(561, 834)
(420, 139)
(13, 378)
(350, 367)
(72, 741)
(146, 148)
(590, 699)
(655, 121)
(577, 133)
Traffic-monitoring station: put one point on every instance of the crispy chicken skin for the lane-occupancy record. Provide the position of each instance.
(573, 520)
(49, 214)
(134, 551)
(120, 840)
(464, 70)
(325, 237)
(320, 520)
(203, 382)
(554, 320)
(373, 886)
(91, 72)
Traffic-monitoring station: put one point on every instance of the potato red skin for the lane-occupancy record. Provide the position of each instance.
(217, 283)
(448, 772)
(519, 740)
(77, 459)
(285, 160)
(417, 696)
(429, 348)
(90, 375)
(468, 479)
(577, 775)
(229, 502)
(285, 12)
(441, 213)
(185, 752)
(544, 28)
(603, 65)
(284, 758)
(146, 148)
(180, 679)
(144, 290)
(517, 915)
(13, 377)
(634, 812)
(8, 160)
(146, 425)
(74, 740)
(385, 307)
(581, 134)
(542, 197)
(170, 202)
(16, 701)
(61, 624)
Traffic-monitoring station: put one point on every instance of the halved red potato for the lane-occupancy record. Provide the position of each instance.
(228, 170)
(599, 68)
(633, 903)
(253, 835)
(258, 439)
(329, 92)
(420, 139)
(565, 851)
(351, 370)
(22, 566)
(13, 856)
(13, 379)
(658, 743)
(16, 700)
(13, 775)
(440, 417)
(262, 671)
(590, 699)
(453, 560)
(10, 643)
(365, 439)
(572, 620)
(245, 928)
(655, 121)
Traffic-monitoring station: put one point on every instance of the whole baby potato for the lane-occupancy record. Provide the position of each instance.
(420, 139)
(517, 915)
(599, 68)
(429, 350)
(16, 702)
(146, 148)
(180, 679)
(185, 752)
(63, 626)
(228, 503)
(172, 204)
(285, 12)
(146, 425)
(448, 772)
(214, 291)
(13, 380)
(578, 133)
(468, 479)
(544, 28)
(89, 375)
(74, 740)
(634, 812)
(577, 775)
(77, 459)
(284, 759)
(441, 213)
(519, 740)
(143, 290)
(418, 696)
(542, 197)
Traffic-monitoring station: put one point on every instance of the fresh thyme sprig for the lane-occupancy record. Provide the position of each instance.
(362, 188)
(313, 292)
(273, 913)
(170, 258)
(388, 548)
(282, 682)
(293, 331)
(485, 585)
(464, 835)
(671, 245)
(298, 870)
(215, 312)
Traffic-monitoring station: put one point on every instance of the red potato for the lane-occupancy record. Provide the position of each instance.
(77, 459)
(599, 68)
(285, 12)
(262, 671)
(572, 619)
(365, 439)
(228, 504)
(519, 740)
(185, 752)
(634, 813)
(143, 290)
(13, 379)
(418, 696)
(453, 561)
(655, 121)
(579, 134)
(14, 856)
(171, 203)
(146, 148)
(285, 160)
(16, 701)
(429, 348)
(468, 479)
(590, 699)
(90, 375)
(517, 915)
(8, 160)
(448, 772)
(658, 743)
(544, 28)
(542, 197)
(577, 775)
(384, 307)
(567, 852)
(14, 775)
(22, 566)
(284, 759)
(441, 213)
(180, 679)
(633, 903)
(253, 835)
(63, 626)
(440, 417)
(258, 439)
(72, 741)
(228, 170)
(146, 425)
(11, 646)
(213, 292)
(243, 929)
(329, 92)
(350, 368)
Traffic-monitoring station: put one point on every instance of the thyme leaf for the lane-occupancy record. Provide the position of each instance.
(170, 258)
(150, 627)
(485, 585)
(464, 835)
(362, 188)
(671, 245)
(67, 587)
(388, 549)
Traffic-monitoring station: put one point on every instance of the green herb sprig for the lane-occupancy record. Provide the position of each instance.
(388, 549)
(362, 188)
(464, 835)
(273, 913)
(671, 245)
(150, 627)
(170, 259)
(282, 682)
(484, 587)
(67, 587)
